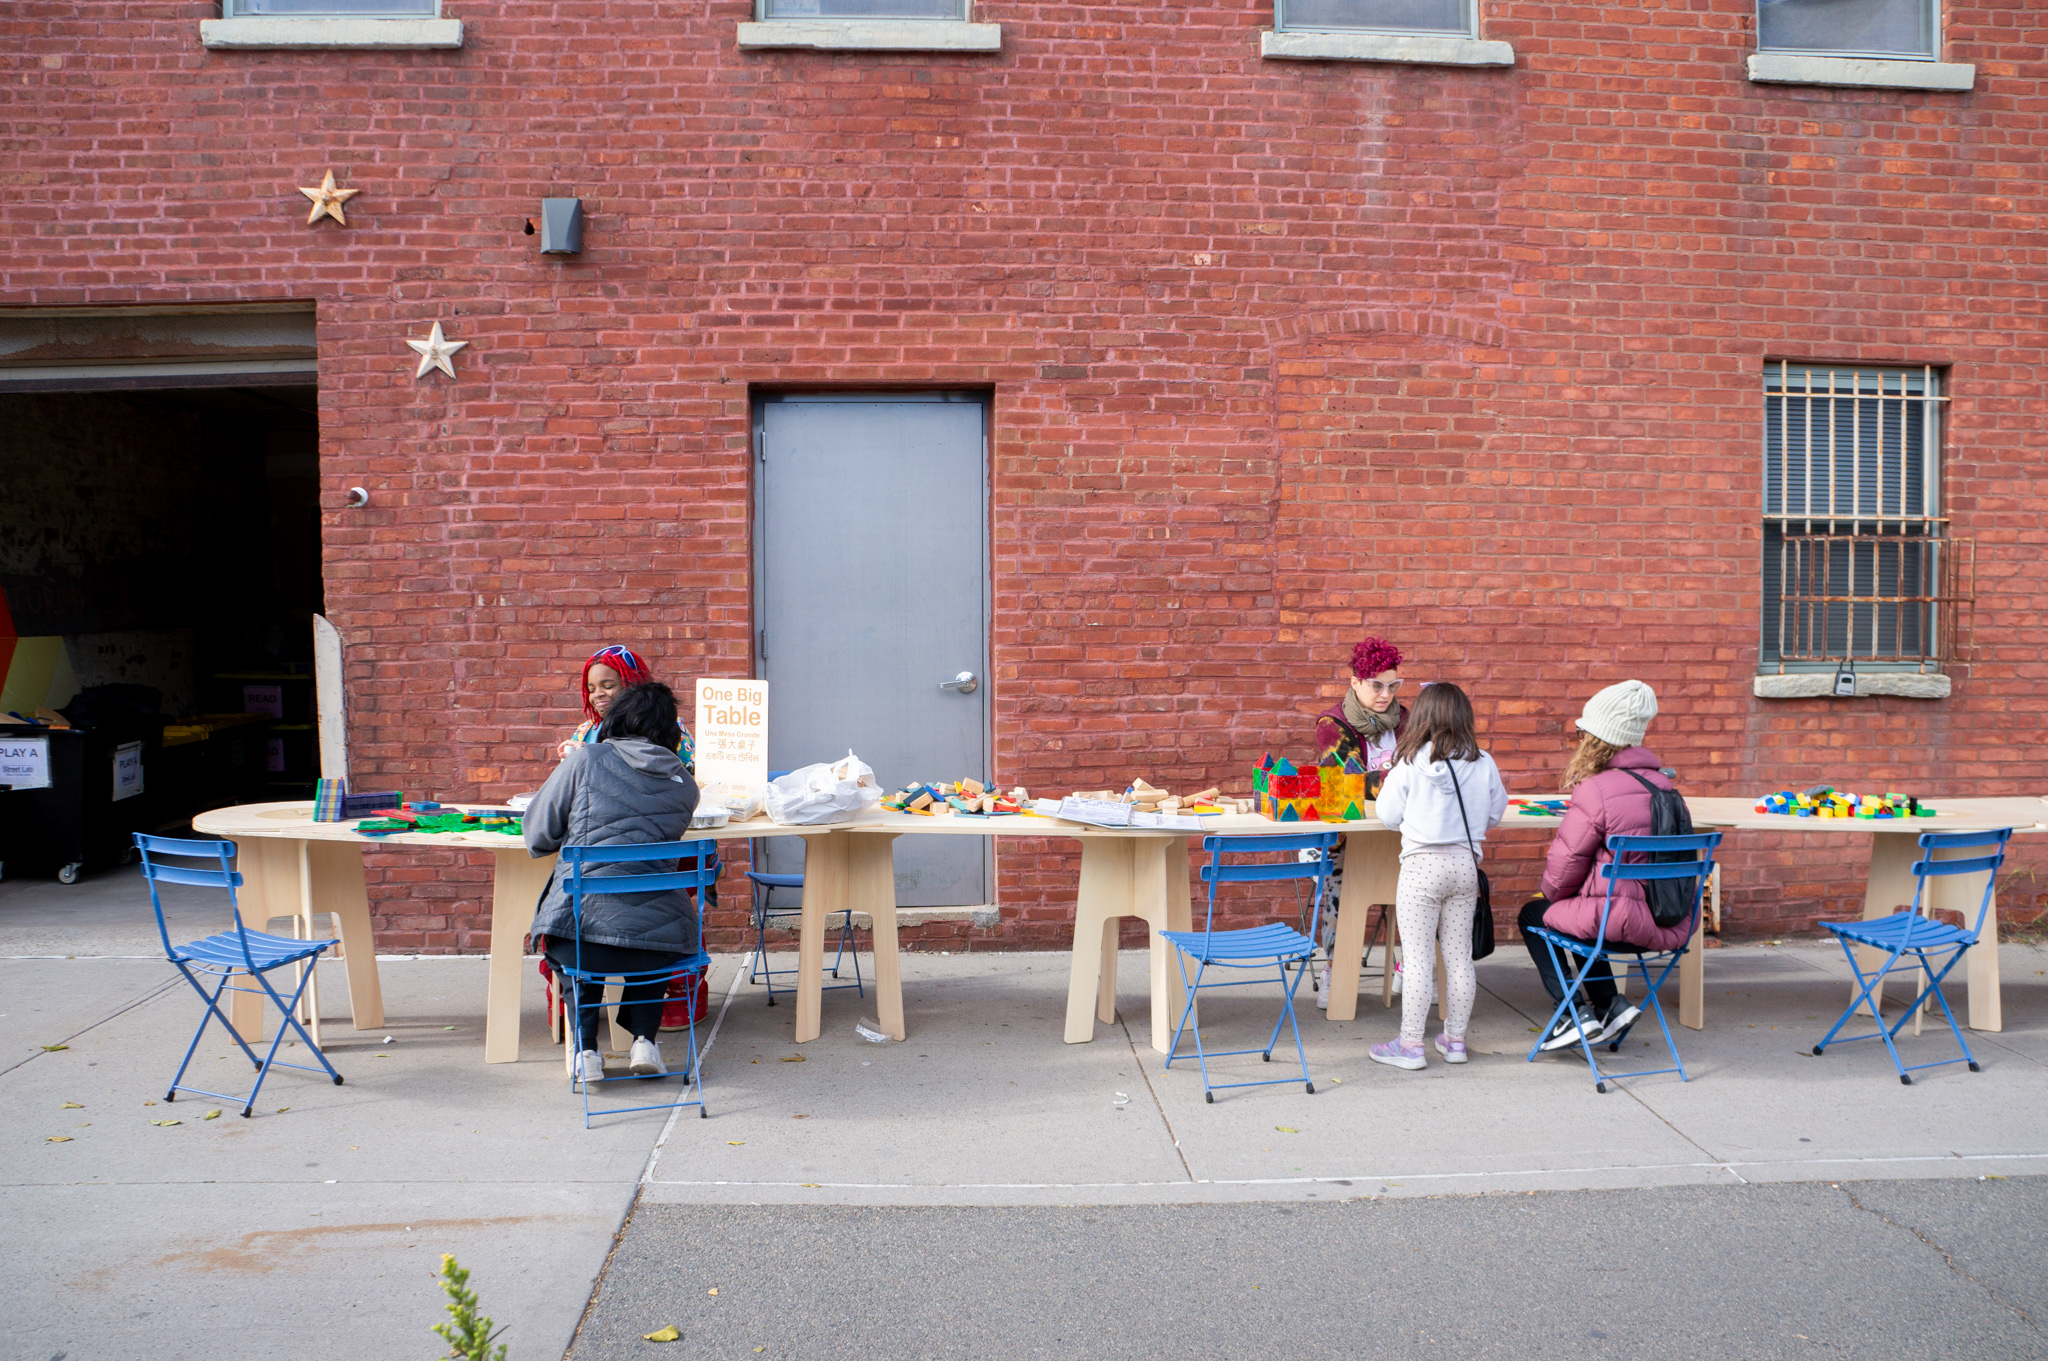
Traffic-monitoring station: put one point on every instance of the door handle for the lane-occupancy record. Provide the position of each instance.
(965, 683)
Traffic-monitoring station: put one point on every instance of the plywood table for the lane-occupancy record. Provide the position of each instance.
(295, 867)
(1135, 873)
(1894, 846)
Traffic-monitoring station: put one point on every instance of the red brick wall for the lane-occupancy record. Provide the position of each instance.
(1280, 352)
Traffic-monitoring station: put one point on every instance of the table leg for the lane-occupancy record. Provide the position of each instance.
(1963, 894)
(1372, 869)
(337, 888)
(516, 884)
(1160, 882)
(872, 883)
(270, 888)
(1890, 888)
(827, 869)
(1692, 982)
(1102, 896)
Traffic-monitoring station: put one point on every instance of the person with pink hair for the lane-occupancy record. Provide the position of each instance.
(1365, 726)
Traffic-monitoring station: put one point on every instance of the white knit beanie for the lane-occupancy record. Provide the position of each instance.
(1620, 714)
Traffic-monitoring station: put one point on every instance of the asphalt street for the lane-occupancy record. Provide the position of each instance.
(1870, 1270)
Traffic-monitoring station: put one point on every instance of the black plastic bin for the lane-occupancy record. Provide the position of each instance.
(77, 823)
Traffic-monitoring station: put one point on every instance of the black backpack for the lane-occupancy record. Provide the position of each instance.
(1670, 900)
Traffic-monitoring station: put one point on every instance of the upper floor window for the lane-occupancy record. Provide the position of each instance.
(863, 9)
(1449, 17)
(1858, 563)
(1868, 28)
(331, 9)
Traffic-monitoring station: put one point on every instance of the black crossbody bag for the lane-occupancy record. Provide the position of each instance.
(1482, 920)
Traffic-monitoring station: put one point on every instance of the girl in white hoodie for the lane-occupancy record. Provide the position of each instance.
(1437, 764)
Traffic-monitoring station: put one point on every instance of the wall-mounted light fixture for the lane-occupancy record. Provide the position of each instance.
(561, 226)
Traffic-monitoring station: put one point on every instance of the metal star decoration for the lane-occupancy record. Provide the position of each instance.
(434, 352)
(327, 199)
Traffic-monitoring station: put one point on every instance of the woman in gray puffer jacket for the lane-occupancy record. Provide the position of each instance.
(626, 788)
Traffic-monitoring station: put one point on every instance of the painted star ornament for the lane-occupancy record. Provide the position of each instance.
(327, 200)
(435, 352)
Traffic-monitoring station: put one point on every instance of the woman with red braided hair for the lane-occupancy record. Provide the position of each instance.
(608, 672)
(1366, 726)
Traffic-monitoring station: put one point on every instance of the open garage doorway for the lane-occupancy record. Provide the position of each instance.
(160, 571)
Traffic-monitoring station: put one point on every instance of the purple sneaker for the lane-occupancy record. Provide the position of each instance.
(1395, 1055)
(1452, 1050)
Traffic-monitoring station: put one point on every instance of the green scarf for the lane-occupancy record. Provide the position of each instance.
(1368, 723)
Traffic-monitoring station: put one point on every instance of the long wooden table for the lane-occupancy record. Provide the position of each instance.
(295, 867)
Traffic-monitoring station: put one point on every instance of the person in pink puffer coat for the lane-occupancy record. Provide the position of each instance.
(1609, 778)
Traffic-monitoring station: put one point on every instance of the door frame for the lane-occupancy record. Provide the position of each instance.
(760, 398)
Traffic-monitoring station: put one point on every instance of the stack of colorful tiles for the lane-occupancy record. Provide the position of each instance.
(1341, 796)
(1285, 794)
(1823, 801)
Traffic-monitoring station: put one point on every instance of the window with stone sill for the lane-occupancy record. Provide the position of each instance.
(862, 9)
(1895, 29)
(330, 9)
(1433, 18)
(1858, 564)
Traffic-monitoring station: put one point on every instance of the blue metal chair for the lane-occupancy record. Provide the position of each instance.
(1909, 932)
(766, 914)
(587, 985)
(1697, 867)
(1273, 946)
(240, 953)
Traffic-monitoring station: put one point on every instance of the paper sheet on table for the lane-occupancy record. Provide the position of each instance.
(1107, 813)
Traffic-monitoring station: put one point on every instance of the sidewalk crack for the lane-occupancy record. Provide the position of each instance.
(1946, 1257)
(1153, 1092)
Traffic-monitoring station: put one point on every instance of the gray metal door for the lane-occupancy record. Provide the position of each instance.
(871, 590)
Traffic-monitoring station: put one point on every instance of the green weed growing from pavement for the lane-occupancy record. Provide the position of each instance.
(468, 1334)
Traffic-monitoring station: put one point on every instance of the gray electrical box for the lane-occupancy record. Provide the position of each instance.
(561, 226)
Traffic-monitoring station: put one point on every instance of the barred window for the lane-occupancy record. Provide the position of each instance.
(1858, 564)
(1866, 28)
(1450, 17)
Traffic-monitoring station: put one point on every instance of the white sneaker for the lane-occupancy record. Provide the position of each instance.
(645, 1058)
(1322, 982)
(589, 1067)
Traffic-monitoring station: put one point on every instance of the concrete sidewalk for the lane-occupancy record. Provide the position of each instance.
(316, 1230)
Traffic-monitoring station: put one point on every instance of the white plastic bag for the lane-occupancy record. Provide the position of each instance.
(812, 795)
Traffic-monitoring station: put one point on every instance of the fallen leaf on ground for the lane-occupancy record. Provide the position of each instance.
(1287, 1129)
(736, 1143)
(282, 1109)
(669, 1334)
(60, 1138)
(211, 1115)
(55, 1048)
(799, 1117)
(167, 1122)
(794, 1058)
(70, 1106)
(712, 1291)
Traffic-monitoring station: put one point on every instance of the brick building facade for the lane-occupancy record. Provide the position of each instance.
(1277, 353)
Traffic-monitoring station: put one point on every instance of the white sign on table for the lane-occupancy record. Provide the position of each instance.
(127, 771)
(25, 762)
(732, 733)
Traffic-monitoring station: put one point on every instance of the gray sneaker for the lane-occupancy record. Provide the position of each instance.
(1576, 1022)
(1615, 1021)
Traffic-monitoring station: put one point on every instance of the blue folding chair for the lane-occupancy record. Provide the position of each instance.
(1696, 867)
(1908, 932)
(240, 953)
(696, 867)
(1273, 946)
(766, 914)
